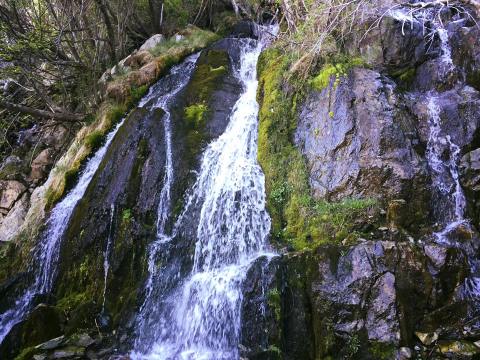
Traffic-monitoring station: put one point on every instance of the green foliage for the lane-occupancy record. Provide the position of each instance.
(137, 93)
(195, 114)
(382, 351)
(336, 70)
(126, 215)
(353, 346)
(94, 140)
(274, 302)
(298, 219)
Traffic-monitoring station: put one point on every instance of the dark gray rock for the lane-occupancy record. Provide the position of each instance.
(360, 141)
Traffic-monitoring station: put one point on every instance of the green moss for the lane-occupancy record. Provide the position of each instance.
(27, 353)
(405, 76)
(274, 302)
(337, 70)
(382, 351)
(137, 93)
(72, 301)
(195, 114)
(297, 218)
(70, 178)
(126, 214)
(94, 140)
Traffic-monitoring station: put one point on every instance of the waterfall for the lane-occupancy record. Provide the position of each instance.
(446, 178)
(201, 317)
(180, 75)
(106, 256)
(47, 250)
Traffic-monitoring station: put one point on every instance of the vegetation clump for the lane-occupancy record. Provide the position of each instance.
(337, 70)
(298, 219)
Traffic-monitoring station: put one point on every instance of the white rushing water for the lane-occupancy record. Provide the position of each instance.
(201, 318)
(48, 249)
(446, 178)
(180, 75)
(106, 255)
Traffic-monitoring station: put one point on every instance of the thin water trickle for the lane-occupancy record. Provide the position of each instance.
(106, 256)
(201, 318)
(48, 249)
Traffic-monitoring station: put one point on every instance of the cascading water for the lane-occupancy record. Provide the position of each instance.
(48, 249)
(446, 178)
(181, 74)
(201, 317)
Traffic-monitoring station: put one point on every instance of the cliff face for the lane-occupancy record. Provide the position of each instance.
(397, 121)
(372, 171)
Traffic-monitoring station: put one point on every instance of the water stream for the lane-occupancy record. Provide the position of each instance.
(200, 319)
(179, 76)
(106, 256)
(446, 178)
(47, 251)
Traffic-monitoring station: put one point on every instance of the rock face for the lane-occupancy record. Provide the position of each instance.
(24, 170)
(366, 134)
(362, 302)
(358, 140)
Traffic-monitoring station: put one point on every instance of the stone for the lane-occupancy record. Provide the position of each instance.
(139, 59)
(81, 340)
(51, 344)
(41, 164)
(358, 142)
(466, 53)
(437, 254)
(427, 338)
(42, 324)
(68, 352)
(11, 192)
(404, 353)
(459, 348)
(391, 45)
(397, 214)
(39, 357)
(381, 321)
(470, 170)
(14, 219)
(152, 42)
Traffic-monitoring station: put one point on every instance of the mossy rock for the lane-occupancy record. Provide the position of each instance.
(44, 323)
(298, 220)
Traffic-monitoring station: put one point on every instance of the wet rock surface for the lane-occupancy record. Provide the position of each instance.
(121, 203)
(377, 299)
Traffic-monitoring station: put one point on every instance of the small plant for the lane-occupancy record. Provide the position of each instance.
(138, 92)
(195, 114)
(279, 193)
(274, 302)
(127, 214)
(94, 140)
(353, 346)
